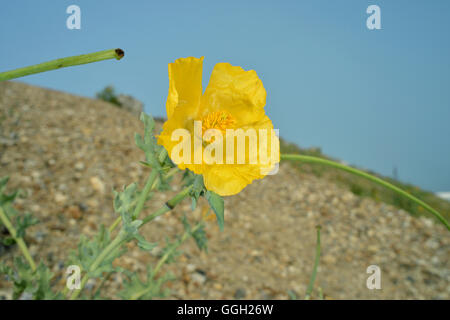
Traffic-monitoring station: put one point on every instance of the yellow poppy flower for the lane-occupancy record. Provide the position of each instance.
(232, 141)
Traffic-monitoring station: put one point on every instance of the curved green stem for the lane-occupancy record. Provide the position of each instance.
(12, 231)
(316, 265)
(62, 63)
(369, 177)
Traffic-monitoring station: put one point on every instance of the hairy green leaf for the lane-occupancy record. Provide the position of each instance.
(217, 204)
(135, 288)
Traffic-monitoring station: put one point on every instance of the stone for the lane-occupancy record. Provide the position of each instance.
(240, 293)
(198, 278)
(60, 198)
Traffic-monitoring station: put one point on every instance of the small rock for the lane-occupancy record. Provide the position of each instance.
(240, 293)
(97, 184)
(75, 212)
(83, 207)
(198, 278)
(79, 166)
(329, 259)
(26, 296)
(60, 198)
(39, 236)
(5, 294)
(190, 268)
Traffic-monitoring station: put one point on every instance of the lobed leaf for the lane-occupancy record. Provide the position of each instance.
(217, 204)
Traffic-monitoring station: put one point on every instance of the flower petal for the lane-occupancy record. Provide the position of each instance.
(185, 84)
(228, 180)
(238, 91)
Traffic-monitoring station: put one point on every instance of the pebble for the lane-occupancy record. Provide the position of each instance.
(74, 212)
(79, 166)
(240, 293)
(60, 198)
(97, 184)
(198, 278)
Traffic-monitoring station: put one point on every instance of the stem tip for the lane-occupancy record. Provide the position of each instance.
(120, 53)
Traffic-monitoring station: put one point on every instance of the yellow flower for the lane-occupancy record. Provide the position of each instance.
(233, 100)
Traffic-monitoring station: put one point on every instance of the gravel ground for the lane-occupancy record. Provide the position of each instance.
(68, 153)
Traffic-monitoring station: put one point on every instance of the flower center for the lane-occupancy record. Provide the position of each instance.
(220, 120)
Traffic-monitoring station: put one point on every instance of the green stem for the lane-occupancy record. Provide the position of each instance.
(163, 260)
(369, 177)
(144, 194)
(122, 237)
(154, 185)
(169, 205)
(316, 265)
(12, 231)
(115, 224)
(62, 63)
(119, 219)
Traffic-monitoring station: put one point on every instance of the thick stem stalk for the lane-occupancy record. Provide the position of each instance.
(144, 194)
(62, 63)
(169, 205)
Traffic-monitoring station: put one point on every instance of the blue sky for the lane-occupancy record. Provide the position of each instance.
(376, 99)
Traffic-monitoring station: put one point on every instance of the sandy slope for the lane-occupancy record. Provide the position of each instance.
(69, 152)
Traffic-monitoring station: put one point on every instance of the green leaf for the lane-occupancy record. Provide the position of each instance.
(292, 295)
(144, 244)
(155, 154)
(6, 270)
(148, 142)
(200, 238)
(23, 222)
(216, 203)
(125, 201)
(3, 182)
(89, 249)
(20, 221)
(199, 234)
(198, 189)
(145, 164)
(171, 249)
(4, 197)
(36, 283)
(150, 288)
(42, 289)
(8, 241)
(23, 278)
